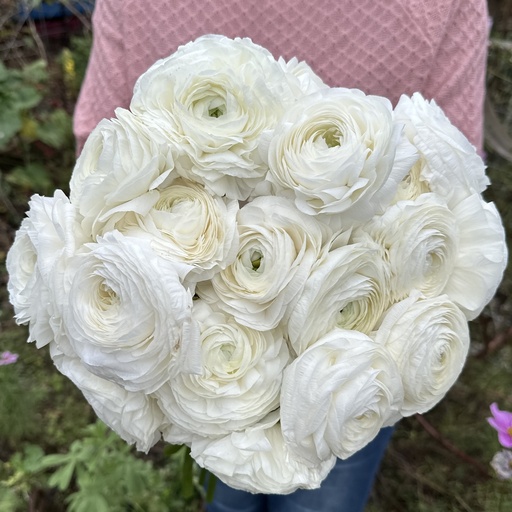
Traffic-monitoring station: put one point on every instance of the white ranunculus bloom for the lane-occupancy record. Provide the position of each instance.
(258, 460)
(127, 315)
(349, 287)
(189, 225)
(278, 247)
(421, 240)
(301, 77)
(338, 394)
(118, 171)
(135, 417)
(214, 98)
(240, 380)
(339, 151)
(429, 340)
(48, 236)
(481, 258)
(412, 186)
(449, 164)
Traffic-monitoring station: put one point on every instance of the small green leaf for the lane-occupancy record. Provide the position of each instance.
(33, 176)
(10, 125)
(32, 458)
(55, 459)
(62, 477)
(88, 502)
(9, 501)
(35, 72)
(56, 131)
(27, 97)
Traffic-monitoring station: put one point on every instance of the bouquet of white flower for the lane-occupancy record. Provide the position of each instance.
(258, 266)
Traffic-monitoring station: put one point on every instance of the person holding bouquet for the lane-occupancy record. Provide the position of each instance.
(386, 48)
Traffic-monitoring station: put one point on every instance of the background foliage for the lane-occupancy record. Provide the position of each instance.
(54, 456)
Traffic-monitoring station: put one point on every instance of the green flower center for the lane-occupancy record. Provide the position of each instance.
(256, 257)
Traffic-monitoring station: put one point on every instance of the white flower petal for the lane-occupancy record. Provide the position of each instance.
(258, 460)
(337, 395)
(240, 380)
(127, 315)
(429, 340)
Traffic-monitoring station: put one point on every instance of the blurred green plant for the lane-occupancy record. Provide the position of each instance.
(100, 473)
(16, 406)
(37, 148)
(20, 91)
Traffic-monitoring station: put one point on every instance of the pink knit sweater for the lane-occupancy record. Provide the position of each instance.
(384, 47)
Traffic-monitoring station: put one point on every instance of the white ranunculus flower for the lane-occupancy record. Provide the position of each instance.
(127, 315)
(449, 164)
(214, 98)
(189, 225)
(481, 258)
(429, 340)
(240, 380)
(135, 417)
(118, 171)
(338, 394)
(48, 236)
(459, 251)
(348, 288)
(339, 151)
(301, 77)
(421, 240)
(258, 460)
(278, 247)
(412, 186)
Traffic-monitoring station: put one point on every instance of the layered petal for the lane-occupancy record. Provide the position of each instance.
(339, 151)
(429, 340)
(127, 315)
(337, 395)
(214, 98)
(240, 379)
(278, 247)
(135, 417)
(258, 460)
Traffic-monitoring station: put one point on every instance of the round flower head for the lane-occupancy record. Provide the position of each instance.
(213, 99)
(339, 151)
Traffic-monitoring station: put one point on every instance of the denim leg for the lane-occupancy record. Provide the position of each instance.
(346, 488)
(227, 499)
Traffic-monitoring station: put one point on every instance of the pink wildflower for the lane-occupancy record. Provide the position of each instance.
(8, 358)
(502, 422)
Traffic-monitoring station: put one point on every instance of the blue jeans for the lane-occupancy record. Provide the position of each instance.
(346, 488)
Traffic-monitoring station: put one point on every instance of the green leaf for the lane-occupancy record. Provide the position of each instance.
(88, 502)
(10, 125)
(50, 461)
(33, 176)
(35, 72)
(9, 501)
(26, 97)
(32, 458)
(62, 477)
(56, 131)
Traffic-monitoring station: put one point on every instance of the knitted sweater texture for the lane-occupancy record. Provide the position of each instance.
(384, 47)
